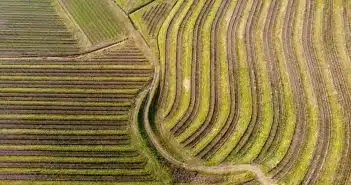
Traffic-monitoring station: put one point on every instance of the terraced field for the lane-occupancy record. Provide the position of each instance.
(153, 16)
(175, 92)
(260, 83)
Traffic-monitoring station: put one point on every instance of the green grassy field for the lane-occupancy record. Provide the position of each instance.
(97, 19)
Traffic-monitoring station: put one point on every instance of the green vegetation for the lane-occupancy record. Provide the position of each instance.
(32, 28)
(98, 19)
(60, 123)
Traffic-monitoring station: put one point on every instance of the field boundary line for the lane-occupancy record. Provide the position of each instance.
(219, 169)
(140, 7)
(74, 56)
(92, 47)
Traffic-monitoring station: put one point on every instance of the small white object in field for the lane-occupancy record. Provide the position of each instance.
(186, 84)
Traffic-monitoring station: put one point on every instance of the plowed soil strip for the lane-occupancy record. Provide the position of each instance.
(74, 165)
(179, 88)
(298, 96)
(254, 81)
(340, 82)
(69, 153)
(164, 88)
(76, 177)
(324, 116)
(193, 109)
(229, 126)
(159, 17)
(275, 82)
(211, 117)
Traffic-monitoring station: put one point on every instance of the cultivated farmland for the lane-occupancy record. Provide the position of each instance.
(32, 29)
(97, 19)
(175, 92)
(264, 83)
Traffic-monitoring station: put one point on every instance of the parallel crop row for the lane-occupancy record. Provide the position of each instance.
(97, 19)
(32, 28)
(69, 119)
(262, 82)
(154, 17)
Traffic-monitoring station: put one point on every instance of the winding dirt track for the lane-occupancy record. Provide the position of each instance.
(220, 169)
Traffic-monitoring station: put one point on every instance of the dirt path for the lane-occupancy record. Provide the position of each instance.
(220, 169)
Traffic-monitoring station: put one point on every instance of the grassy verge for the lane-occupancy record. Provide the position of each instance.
(153, 165)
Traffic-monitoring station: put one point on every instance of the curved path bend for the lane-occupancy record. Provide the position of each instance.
(220, 169)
